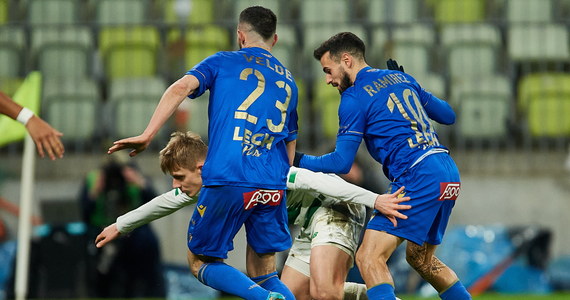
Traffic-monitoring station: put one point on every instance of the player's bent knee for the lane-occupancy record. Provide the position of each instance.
(328, 292)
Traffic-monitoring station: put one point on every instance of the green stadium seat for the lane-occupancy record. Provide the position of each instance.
(130, 51)
(73, 107)
(549, 42)
(198, 110)
(544, 99)
(12, 51)
(121, 12)
(314, 35)
(53, 12)
(378, 42)
(63, 52)
(325, 102)
(4, 11)
(315, 12)
(131, 104)
(468, 61)
(198, 42)
(391, 12)
(525, 11)
(483, 107)
(464, 11)
(188, 12)
(287, 48)
(467, 33)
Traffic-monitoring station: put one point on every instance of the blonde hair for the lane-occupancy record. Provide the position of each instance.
(184, 150)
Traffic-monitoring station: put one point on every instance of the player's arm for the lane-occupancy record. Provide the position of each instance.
(291, 146)
(158, 207)
(46, 138)
(437, 109)
(339, 161)
(169, 102)
(335, 187)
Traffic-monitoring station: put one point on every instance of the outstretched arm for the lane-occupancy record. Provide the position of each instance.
(46, 138)
(339, 161)
(335, 187)
(169, 102)
(158, 207)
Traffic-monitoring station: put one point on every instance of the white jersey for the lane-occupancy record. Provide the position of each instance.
(328, 188)
(158, 207)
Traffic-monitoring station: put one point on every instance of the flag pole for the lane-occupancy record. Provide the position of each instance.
(24, 221)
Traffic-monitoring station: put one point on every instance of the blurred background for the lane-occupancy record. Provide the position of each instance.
(502, 64)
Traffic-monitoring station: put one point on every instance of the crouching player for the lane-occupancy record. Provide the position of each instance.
(330, 210)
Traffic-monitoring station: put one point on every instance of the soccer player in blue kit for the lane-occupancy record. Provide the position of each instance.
(391, 112)
(252, 133)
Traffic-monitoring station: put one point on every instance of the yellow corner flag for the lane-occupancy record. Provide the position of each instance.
(27, 95)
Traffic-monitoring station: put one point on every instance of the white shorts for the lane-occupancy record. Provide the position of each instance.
(339, 226)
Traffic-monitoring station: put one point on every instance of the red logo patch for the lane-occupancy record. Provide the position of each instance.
(269, 197)
(449, 190)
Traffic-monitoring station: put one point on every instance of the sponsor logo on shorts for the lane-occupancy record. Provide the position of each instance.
(268, 197)
(449, 190)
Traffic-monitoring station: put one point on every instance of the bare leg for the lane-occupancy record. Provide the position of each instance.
(371, 258)
(329, 268)
(259, 264)
(430, 268)
(196, 261)
(297, 282)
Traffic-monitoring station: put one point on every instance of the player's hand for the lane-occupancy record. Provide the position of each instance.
(393, 65)
(46, 138)
(390, 205)
(137, 143)
(107, 235)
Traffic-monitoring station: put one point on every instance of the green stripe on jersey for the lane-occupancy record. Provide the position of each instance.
(292, 177)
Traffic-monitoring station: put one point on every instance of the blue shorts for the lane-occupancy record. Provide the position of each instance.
(433, 186)
(222, 210)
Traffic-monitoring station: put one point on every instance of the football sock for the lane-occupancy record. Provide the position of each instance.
(272, 283)
(355, 291)
(228, 279)
(456, 292)
(384, 291)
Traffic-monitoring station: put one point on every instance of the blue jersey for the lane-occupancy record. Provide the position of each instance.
(392, 113)
(252, 114)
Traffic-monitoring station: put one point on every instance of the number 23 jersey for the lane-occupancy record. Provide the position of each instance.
(252, 114)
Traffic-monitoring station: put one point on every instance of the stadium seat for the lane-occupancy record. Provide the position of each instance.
(464, 11)
(549, 42)
(73, 107)
(544, 99)
(53, 12)
(186, 12)
(287, 48)
(526, 11)
(131, 104)
(196, 43)
(315, 12)
(130, 51)
(483, 107)
(378, 42)
(391, 11)
(461, 33)
(325, 102)
(4, 11)
(63, 52)
(121, 12)
(468, 61)
(12, 51)
(411, 46)
(198, 110)
(314, 35)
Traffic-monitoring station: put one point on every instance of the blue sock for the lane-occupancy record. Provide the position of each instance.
(272, 283)
(456, 292)
(228, 279)
(384, 291)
